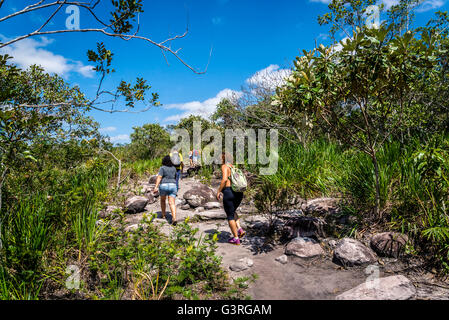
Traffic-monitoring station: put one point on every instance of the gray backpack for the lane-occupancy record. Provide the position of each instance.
(238, 179)
(175, 158)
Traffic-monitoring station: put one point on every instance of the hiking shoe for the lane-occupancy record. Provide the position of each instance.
(235, 241)
(241, 233)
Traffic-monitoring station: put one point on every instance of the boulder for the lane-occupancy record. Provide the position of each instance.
(180, 202)
(212, 205)
(302, 226)
(150, 196)
(199, 195)
(185, 206)
(199, 209)
(135, 204)
(146, 188)
(389, 244)
(212, 215)
(350, 252)
(110, 211)
(193, 170)
(323, 206)
(390, 288)
(152, 179)
(241, 264)
(282, 259)
(304, 247)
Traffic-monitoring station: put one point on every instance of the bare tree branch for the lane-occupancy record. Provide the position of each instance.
(40, 5)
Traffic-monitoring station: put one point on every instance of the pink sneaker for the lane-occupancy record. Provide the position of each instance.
(235, 241)
(241, 233)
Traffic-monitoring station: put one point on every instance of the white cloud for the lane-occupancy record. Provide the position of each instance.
(107, 129)
(205, 108)
(338, 46)
(120, 138)
(321, 1)
(389, 3)
(269, 78)
(430, 5)
(31, 51)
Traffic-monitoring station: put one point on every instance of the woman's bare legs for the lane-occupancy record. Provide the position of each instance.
(237, 222)
(163, 205)
(233, 227)
(171, 203)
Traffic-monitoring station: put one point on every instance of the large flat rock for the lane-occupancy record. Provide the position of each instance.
(211, 214)
(389, 288)
(304, 247)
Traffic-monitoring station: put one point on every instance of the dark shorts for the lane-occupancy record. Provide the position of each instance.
(231, 201)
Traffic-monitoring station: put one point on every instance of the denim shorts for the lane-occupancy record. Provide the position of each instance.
(168, 189)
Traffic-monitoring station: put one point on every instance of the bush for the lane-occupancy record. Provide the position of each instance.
(153, 266)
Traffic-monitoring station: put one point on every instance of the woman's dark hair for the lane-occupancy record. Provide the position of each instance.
(166, 161)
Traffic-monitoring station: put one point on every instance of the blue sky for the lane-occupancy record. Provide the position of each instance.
(247, 37)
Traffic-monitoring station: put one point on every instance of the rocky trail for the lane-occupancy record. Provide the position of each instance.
(307, 266)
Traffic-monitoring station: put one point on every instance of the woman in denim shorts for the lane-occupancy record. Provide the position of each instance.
(166, 185)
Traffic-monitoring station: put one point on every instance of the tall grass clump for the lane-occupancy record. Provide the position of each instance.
(148, 166)
(357, 180)
(309, 170)
(423, 194)
(33, 225)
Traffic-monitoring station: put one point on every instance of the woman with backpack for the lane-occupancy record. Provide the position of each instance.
(233, 183)
(176, 159)
(166, 185)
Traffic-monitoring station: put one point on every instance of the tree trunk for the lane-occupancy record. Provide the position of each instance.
(376, 172)
(2, 180)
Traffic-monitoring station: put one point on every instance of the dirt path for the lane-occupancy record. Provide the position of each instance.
(295, 280)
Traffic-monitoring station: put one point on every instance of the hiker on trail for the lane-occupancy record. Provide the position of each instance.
(191, 158)
(166, 182)
(232, 186)
(195, 156)
(176, 159)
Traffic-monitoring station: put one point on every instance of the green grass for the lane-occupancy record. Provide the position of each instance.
(142, 167)
(414, 186)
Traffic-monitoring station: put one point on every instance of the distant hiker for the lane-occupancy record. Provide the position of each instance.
(191, 158)
(233, 183)
(176, 159)
(195, 156)
(166, 181)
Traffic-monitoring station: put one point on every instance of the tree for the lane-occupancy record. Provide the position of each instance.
(123, 23)
(348, 15)
(149, 141)
(30, 135)
(368, 90)
(226, 114)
